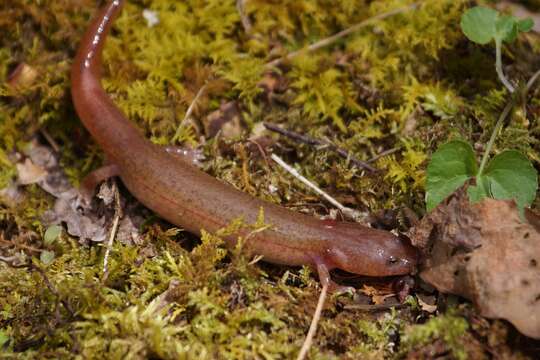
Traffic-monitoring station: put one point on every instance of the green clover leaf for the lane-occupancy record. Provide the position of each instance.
(450, 166)
(509, 175)
(482, 25)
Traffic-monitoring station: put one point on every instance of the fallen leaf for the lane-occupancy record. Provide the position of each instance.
(486, 253)
(83, 224)
(30, 173)
(24, 75)
(428, 304)
(226, 119)
(377, 296)
(12, 195)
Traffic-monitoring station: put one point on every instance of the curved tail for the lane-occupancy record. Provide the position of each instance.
(99, 114)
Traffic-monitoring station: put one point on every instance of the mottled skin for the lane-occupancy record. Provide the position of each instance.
(190, 198)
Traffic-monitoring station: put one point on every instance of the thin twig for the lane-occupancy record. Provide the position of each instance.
(383, 154)
(114, 229)
(531, 82)
(189, 111)
(351, 213)
(246, 23)
(21, 246)
(332, 39)
(373, 307)
(314, 322)
(11, 261)
(526, 90)
(51, 287)
(317, 142)
(50, 140)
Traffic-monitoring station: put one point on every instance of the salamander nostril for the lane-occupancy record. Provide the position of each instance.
(392, 260)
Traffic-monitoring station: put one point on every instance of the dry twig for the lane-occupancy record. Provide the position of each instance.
(332, 39)
(350, 213)
(114, 229)
(317, 142)
(314, 322)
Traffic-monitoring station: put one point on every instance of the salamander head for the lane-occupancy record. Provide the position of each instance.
(371, 252)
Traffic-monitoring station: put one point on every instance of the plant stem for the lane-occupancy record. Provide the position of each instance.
(498, 66)
(496, 130)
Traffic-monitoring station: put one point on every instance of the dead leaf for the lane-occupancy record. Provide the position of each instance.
(486, 253)
(24, 75)
(427, 303)
(12, 195)
(85, 225)
(30, 173)
(377, 296)
(226, 119)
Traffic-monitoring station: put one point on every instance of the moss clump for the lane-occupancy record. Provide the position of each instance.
(450, 328)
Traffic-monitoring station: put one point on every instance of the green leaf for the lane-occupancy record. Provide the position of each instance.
(525, 25)
(52, 234)
(450, 166)
(480, 190)
(478, 24)
(47, 257)
(4, 338)
(482, 24)
(510, 175)
(506, 28)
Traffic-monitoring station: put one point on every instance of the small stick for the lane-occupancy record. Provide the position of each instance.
(332, 39)
(383, 154)
(316, 142)
(114, 229)
(373, 307)
(189, 111)
(528, 87)
(314, 322)
(20, 246)
(346, 211)
(531, 82)
(52, 288)
(50, 140)
(246, 23)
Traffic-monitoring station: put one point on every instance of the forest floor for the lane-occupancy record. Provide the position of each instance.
(209, 75)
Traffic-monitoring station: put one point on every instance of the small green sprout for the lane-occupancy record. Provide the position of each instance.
(509, 174)
(52, 234)
(482, 25)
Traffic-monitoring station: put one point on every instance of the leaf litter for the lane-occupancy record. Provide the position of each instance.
(86, 222)
(486, 253)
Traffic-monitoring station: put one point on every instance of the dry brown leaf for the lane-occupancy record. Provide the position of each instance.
(377, 296)
(24, 75)
(486, 253)
(226, 119)
(12, 195)
(30, 173)
(425, 304)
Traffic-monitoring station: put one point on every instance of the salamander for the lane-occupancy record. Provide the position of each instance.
(182, 194)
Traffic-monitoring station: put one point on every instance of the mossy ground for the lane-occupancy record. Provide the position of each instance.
(409, 82)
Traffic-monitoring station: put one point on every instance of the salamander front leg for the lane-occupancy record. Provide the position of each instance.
(324, 277)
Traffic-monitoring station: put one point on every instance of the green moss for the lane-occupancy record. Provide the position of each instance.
(450, 328)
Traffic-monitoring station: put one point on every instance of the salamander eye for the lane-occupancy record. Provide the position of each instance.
(392, 260)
